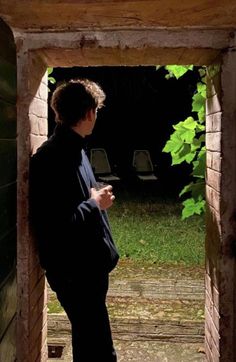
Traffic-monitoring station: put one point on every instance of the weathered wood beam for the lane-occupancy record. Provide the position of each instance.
(159, 38)
(68, 15)
(127, 47)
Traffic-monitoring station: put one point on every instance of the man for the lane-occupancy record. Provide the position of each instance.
(70, 222)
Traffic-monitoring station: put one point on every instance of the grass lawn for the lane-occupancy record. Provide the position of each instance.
(149, 228)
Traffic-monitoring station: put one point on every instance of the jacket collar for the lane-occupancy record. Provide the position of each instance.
(68, 136)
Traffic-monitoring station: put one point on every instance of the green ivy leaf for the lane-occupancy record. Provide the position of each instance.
(192, 207)
(180, 156)
(178, 70)
(196, 144)
(186, 189)
(202, 72)
(201, 88)
(50, 70)
(52, 80)
(199, 165)
(212, 70)
(198, 102)
(200, 128)
(185, 134)
(188, 123)
(190, 157)
(202, 114)
(196, 189)
(173, 144)
(186, 129)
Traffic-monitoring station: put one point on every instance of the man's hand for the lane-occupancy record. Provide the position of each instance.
(103, 197)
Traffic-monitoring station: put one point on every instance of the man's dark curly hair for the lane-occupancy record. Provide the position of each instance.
(71, 100)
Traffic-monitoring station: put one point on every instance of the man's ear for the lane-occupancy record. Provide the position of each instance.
(89, 115)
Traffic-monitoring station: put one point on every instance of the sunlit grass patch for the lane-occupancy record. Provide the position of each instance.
(152, 230)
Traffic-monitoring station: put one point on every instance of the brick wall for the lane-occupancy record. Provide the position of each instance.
(7, 194)
(221, 197)
(227, 208)
(32, 131)
(213, 179)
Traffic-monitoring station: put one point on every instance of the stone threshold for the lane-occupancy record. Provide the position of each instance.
(158, 289)
(137, 330)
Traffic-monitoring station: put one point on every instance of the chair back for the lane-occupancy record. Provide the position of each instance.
(99, 161)
(142, 161)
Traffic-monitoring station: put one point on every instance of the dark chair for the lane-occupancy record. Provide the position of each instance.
(143, 166)
(101, 165)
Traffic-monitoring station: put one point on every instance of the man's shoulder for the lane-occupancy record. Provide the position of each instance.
(46, 152)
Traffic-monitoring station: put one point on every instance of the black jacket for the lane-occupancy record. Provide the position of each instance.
(72, 233)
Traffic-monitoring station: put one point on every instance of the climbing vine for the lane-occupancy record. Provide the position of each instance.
(51, 79)
(187, 143)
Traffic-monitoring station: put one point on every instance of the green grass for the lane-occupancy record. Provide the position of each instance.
(151, 229)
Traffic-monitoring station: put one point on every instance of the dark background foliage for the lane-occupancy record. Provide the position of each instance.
(140, 109)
